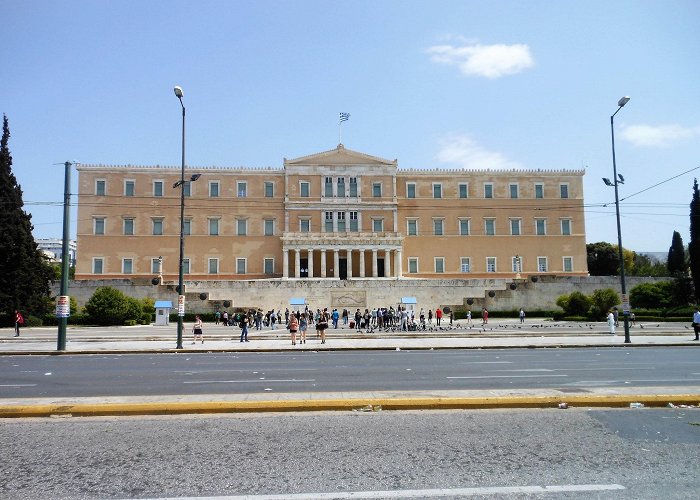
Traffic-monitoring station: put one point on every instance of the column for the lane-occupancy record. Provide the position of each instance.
(362, 262)
(310, 256)
(374, 263)
(285, 263)
(399, 264)
(387, 263)
(348, 252)
(323, 263)
(297, 263)
(336, 263)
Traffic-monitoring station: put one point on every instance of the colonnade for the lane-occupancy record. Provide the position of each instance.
(330, 262)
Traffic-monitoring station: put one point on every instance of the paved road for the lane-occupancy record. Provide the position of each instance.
(630, 454)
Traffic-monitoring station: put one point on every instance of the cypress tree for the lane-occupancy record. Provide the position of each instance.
(694, 246)
(24, 272)
(676, 255)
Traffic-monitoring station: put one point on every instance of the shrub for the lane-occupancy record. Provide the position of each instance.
(575, 304)
(109, 306)
(651, 295)
(603, 300)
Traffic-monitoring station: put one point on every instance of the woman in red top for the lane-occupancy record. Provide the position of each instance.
(19, 321)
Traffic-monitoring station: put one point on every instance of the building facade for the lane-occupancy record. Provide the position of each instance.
(53, 249)
(336, 215)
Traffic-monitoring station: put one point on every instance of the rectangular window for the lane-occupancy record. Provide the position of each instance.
(341, 222)
(187, 227)
(517, 264)
(490, 264)
(187, 188)
(464, 227)
(437, 227)
(413, 265)
(304, 225)
(439, 264)
(241, 227)
(464, 190)
(412, 227)
(566, 227)
(269, 227)
(465, 265)
(341, 187)
(568, 264)
(328, 225)
(99, 225)
(97, 265)
(437, 190)
(304, 191)
(353, 187)
(269, 266)
(540, 227)
(328, 189)
(489, 227)
(354, 223)
(155, 265)
(214, 189)
(564, 190)
(100, 187)
(515, 227)
(242, 189)
(539, 190)
(269, 189)
(185, 266)
(158, 188)
(411, 190)
(377, 225)
(129, 187)
(127, 266)
(213, 227)
(157, 227)
(240, 266)
(377, 189)
(488, 190)
(542, 264)
(129, 227)
(213, 266)
(513, 190)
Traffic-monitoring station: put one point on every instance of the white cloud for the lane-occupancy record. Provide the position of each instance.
(657, 136)
(490, 61)
(462, 151)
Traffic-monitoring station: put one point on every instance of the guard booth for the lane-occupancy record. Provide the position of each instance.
(297, 303)
(163, 308)
(409, 303)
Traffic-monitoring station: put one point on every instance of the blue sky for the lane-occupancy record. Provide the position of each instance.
(434, 84)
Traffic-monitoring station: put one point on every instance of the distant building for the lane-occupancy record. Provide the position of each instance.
(338, 214)
(53, 249)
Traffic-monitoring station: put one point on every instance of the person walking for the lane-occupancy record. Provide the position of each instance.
(484, 316)
(244, 328)
(303, 325)
(522, 315)
(696, 323)
(611, 322)
(217, 317)
(293, 328)
(19, 321)
(197, 329)
(322, 324)
(469, 317)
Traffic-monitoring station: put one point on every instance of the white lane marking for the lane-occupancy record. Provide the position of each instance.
(248, 381)
(18, 385)
(512, 376)
(434, 493)
(527, 370)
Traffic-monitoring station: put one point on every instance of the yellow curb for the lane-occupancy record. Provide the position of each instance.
(178, 408)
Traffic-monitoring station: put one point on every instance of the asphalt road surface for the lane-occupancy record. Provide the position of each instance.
(568, 370)
(572, 453)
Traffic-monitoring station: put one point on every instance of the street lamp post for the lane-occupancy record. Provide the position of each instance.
(63, 301)
(618, 179)
(180, 286)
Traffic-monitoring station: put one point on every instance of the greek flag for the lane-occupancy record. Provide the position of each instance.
(344, 117)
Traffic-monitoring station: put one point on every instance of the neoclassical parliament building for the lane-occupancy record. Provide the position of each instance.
(335, 215)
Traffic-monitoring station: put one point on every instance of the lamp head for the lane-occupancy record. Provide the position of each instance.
(195, 177)
(607, 181)
(621, 102)
(179, 94)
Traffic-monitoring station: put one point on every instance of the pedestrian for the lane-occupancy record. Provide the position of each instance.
(438, 315)
(322, 324)
(293, 328)
(522, 315)
(430, 317)
(484, 316)
(632, 318)
(452, 317)
(469, 317)
(19, 321)
(244, 328)
(217, 317)
(197, 330)
(303, 325)
(696, 323)
(611, 322)
(616, 316)
(335, 316)
(358, 319)
(225, 316)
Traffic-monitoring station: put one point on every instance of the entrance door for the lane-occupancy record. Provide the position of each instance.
(304, 268)
(343, 270)
(380, 268)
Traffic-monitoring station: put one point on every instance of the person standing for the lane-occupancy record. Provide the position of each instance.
(335, 316)
(484, 316)
(438, 315)
(244, 328)
(217, 317)
(293, 328)
(19, 321)
(616, 316)
(197, 329)
(225, 316)
(430, 317)
(696, 323)
(522, 315)
(303, 325)
(322, 324)
(611, 322)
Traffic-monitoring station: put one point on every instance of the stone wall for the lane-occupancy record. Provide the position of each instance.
(358, 293)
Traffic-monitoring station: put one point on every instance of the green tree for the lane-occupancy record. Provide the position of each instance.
(603, 259)
(24, 272)
(652, 295)
(574, 304)
(603, 300)
(109, 306)
(647, 266)
(694, 246)
(676, 255)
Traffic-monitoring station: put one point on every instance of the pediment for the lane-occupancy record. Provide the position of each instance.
(339, 156)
